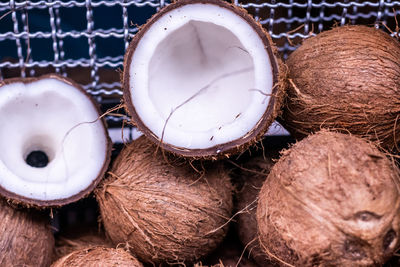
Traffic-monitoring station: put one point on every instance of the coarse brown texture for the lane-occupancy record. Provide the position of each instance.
(164, 212)
(98, 256)
(37, 203)
(254, 174)
(229, 254)
(347, 79)
(232, 261)
(26, 238)
(331, 200)
(279, 71)
(68, 244)
(228, 263)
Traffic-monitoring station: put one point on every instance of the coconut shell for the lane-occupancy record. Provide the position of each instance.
(26, 238)
(254, 174)
(237, 146)
(98, 256)
(163, 211)
(39, 203)
(347, 79)
(68, 244)
(331, 200)
(229, 254)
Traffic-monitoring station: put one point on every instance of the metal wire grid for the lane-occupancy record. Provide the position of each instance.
(288, 22)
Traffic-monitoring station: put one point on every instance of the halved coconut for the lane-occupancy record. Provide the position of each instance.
(54, 147)
(201, 79)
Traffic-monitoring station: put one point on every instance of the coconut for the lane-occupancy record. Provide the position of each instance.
(201, 79)
(253, 175)
(26, 238)
(98, 256)
(164, 211)
(331, 200)
(346, 79)
(55, 149)
(228, 254)
(70, 243)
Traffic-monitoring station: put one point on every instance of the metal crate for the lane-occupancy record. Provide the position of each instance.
(88, 38)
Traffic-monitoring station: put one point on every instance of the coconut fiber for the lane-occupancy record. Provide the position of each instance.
(331, 200)
(164, 211)
(347, 79)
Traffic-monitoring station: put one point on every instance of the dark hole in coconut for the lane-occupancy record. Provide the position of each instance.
(37, 159)
(367, 216)
(388, 239)
(353, 250)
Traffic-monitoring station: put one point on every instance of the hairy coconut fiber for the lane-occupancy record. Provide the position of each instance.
(253, 174)
(228, 254)
(98, 256)
(346, 79)
(68, 244)
(25, 237)
(161, 211)
(331, 200)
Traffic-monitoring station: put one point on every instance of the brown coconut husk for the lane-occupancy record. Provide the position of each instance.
(331, 200)
(164, 212)
(239, 145)
(70, 243)
(346, 79)
(98, 256)
(254, 174)
(26, 238)
(230, 253)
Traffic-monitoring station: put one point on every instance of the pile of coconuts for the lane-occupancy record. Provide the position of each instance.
(176, 196)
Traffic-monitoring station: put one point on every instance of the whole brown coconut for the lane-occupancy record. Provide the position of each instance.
(253, 174)
(25, 237)
(331, 200)
(98, 256)
(68, 244)
(346, 79)
(161, 211)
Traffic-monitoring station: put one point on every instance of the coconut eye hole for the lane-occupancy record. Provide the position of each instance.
(366, 216)
(366, 219)
(353, 250)
(389, 240)
(37, 159)
(39, 151)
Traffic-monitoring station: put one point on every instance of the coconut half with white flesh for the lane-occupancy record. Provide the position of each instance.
(54, 148)
(201, 79)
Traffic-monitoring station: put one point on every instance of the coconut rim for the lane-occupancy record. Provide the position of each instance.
(224, 149)
(26, 201)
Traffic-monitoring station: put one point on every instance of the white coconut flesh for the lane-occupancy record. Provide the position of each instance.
(200, 76)
(49, 116)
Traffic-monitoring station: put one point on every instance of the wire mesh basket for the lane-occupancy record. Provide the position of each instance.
(86, 40)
